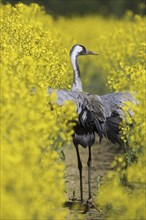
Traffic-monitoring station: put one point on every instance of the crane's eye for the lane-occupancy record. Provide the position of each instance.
(83, 51)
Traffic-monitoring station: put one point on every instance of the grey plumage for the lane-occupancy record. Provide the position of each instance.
(100, 114)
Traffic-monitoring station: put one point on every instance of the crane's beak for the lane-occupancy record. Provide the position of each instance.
(88, 52)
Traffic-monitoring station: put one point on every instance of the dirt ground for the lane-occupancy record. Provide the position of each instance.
(102, 157)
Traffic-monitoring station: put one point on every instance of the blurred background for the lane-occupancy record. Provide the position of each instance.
(84, 7)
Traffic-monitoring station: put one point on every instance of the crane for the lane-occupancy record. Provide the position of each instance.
(96, 114)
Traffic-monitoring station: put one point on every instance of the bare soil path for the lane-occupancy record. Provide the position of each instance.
(102, 158)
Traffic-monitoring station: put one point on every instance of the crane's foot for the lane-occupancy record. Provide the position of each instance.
(87, 205)
(90, 204)
(90, 200)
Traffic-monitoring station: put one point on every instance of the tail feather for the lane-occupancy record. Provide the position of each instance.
(98, 126)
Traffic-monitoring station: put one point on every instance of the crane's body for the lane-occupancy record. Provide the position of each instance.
(96, 114)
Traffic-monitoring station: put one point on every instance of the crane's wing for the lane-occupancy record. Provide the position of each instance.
(114, 113)
(113, 102)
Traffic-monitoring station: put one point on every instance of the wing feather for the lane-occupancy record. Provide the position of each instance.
(113, 104)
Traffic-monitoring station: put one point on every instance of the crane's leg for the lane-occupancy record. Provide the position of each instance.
(80, 171)
(89, 173)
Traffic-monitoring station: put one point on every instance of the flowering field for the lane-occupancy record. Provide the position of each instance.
(35, 55)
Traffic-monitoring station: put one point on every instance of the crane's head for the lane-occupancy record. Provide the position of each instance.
(78, 50)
